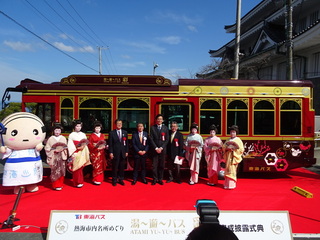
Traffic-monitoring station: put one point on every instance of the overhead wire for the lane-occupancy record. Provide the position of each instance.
(108, 59)
(59, 29)
(97, 37)
(111, 58)
(79, 15)
(74, 20)
(42, 39)
(54, 25)
(102, 43)
(68, 23)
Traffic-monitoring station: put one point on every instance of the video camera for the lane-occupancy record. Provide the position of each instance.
(208, 211)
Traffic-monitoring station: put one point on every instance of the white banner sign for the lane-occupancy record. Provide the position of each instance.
(163, 225)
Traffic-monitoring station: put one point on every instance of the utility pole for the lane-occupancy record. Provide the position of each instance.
(100, 59)
(237, 42)
(289, 42)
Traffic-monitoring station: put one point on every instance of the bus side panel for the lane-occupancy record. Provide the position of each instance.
(277, 156)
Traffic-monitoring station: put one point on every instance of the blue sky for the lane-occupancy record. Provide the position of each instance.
(47, 40)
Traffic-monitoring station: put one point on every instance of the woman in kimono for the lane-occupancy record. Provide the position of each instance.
(213, 155)
(233, 150)
(79, 153)
(194, 143)
(57, 154)
(97, 145)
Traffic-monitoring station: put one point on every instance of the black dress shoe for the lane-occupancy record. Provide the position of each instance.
(134, 182)
(154, 182)
(114, 184)
(121, 182)
(160, 182)
(144, 181)
(178, 181)
(169, 181)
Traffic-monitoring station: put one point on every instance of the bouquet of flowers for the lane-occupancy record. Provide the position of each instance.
(59, 147)
(215, 146)
(232, 145)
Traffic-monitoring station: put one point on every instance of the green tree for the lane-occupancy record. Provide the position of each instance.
(11, 108)
(16, 107)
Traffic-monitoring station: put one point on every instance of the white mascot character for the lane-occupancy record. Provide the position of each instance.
(22, 137)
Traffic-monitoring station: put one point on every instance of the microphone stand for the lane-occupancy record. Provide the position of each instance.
(9, 223)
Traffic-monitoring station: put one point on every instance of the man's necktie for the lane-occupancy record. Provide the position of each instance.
(172, 136)
(119, 135)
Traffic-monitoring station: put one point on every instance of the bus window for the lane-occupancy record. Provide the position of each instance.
(67, 114)
(96, 109)
(132, 111)
(210, 113)
(237, 114)
(45, 111)
(177, 112)
(264, 116)
(290, 117)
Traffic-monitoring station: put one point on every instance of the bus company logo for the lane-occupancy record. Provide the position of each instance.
(277, 227)
(61, 227)
(89, 216)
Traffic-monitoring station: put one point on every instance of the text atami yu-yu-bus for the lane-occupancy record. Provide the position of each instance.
(275, 118)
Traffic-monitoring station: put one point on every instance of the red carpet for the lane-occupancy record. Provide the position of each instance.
(254, 192)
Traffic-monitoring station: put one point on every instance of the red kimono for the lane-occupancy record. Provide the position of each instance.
(97, 156)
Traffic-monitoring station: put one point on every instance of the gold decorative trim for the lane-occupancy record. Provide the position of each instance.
(71, 80)
(83, 99)
(62, 98)
(218, 100)
(144, 99)
(245, 100)
(284, 100)
(256, 100)
(174, 99)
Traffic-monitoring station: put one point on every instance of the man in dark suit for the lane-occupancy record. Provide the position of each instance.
(159, 137)
(140, 143)
(118, 151)
(175, 149)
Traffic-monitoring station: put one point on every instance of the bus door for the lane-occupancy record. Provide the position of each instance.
(45, 111)
(182, 113)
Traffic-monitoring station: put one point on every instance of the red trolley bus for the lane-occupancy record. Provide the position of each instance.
(275, 118)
